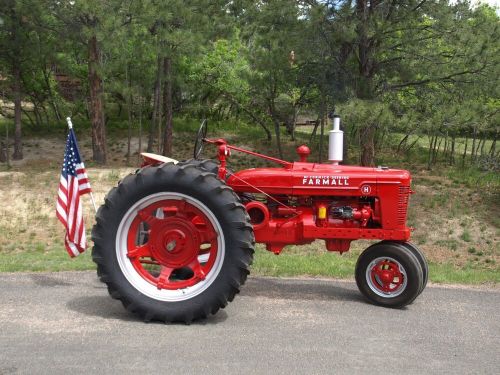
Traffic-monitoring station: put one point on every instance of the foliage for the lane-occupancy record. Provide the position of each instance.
(425, 69)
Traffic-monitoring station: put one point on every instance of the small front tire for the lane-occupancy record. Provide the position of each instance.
(389, 275)
(422, 260)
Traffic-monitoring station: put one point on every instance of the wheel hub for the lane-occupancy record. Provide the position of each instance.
(164, 244)
(386, 277)
(174, 242)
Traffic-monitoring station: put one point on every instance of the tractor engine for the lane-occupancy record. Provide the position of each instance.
(331, 202)
(302, 201)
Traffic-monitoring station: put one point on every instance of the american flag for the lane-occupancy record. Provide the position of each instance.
(74, 182)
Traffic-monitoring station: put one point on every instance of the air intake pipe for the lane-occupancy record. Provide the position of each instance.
(336, 142)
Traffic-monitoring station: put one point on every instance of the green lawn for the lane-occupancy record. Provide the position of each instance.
(308, 260)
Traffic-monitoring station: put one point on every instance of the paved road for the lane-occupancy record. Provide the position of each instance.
(65, 323)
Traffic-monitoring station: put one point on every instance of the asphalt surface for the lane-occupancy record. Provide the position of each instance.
(65, 323)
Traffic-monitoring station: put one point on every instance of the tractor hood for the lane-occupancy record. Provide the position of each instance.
(318, 179)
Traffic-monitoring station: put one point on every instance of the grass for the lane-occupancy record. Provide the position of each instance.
(292, 262)
(51, 259)
(454, 210)
(449, 274)
(333, 265)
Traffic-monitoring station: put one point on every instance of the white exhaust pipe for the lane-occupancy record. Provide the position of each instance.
(336, 142)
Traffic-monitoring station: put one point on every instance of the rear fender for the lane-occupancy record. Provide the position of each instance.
(154, 159)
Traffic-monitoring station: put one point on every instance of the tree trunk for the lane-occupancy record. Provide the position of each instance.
(28, 116)
(379, 141)
(315, 129)
(402, 142)
(156, 106)
(278, 137)
(3, 152)
(18, 144)
(129, 113)
(167, 102)
(445, 148)
(482, 146)
(289, 129)
(473, 156)
(408, 148)
(353, 135)
(294, 121)
(465, 152)
(436, 150)
(368, 145)
(52, 100)
(46, 114)
(99, 152)
(140, 128)
(432, 143)
(345, 148)
(493, 145)
(4, 148)
(322, 133)
(365, 87)
(476, 152)
(38, 116)
(277, 130)
(129, 134)
(250, 114)
(452, 151)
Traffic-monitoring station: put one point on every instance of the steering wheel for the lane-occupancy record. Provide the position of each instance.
(200, 136)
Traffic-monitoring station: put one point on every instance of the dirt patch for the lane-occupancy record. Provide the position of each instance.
(454, 224)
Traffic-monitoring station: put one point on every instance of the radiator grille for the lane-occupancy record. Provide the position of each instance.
(404, 192)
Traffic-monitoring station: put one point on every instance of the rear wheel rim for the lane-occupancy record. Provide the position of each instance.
(386, 277)
(170, 246)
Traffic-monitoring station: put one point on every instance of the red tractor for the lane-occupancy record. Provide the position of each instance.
(175, 240)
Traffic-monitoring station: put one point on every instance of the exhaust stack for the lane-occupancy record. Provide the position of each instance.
(336, 142)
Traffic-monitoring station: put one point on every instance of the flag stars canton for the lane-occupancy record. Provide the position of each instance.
(70, 159)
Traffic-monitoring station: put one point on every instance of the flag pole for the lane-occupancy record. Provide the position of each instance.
(70, 125)
(93, 201)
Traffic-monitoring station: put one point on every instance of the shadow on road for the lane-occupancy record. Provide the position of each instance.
(47, 280)
(100, 306)
(298, 289)
(108, 308)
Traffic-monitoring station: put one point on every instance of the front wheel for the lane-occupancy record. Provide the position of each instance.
(388, 274)
(420, 257)
(422, 260)
(173, 243)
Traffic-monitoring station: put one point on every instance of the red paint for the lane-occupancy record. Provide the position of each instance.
(303, 152)
(386, 276)
(375, 201)
(175, 240)
(219, 142)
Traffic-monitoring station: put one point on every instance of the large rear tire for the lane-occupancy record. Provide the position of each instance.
(207, 164)
(173, 243)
